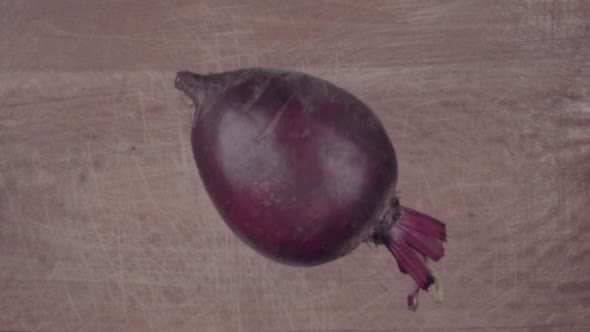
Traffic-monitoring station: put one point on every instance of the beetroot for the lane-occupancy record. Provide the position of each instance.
(303, 171)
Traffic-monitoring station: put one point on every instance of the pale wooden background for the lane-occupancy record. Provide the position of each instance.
(104, 224)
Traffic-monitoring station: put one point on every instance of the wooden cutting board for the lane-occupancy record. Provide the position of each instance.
(105, 226)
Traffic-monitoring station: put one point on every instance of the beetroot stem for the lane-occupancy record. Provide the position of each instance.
(412, 239)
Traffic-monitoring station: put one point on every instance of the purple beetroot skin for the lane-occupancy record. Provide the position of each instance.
(303, 171)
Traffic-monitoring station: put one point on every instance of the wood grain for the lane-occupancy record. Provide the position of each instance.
(104, 224)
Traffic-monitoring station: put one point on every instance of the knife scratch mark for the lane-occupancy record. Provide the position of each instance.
(172, 14)
(238, 55)
(281, 299)
(313, 312)
(300, 41)
(147, 188)
(120, 270)
(140, 96)
(74, 307)
(235, 32)
(360, 309)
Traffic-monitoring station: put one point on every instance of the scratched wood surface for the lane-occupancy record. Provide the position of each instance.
(104, 224)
